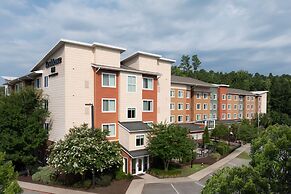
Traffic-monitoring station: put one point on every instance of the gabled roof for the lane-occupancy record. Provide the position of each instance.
(239, 92)
(159, 57)
(135, 126)
(189, 81)
(135, 153)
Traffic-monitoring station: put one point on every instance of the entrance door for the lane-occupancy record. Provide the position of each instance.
(139, 165)
(125, 165)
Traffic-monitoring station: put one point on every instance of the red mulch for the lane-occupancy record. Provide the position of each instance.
(116, 187)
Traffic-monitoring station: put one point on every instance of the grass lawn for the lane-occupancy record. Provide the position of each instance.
(244, 155)
(177, 172)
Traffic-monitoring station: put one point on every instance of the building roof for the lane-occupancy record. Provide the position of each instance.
(26, 77)
(220, 85)
(125, 69)
(259, 92)
(136, 153)
(239, 92)
(228, 122)
(8, 78)
(159, 57)
(135, 126)
(191, 126)
(189, 81)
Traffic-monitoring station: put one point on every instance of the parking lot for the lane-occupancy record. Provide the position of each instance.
(186, 187)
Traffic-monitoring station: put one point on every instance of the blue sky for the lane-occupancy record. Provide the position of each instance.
(226, 34)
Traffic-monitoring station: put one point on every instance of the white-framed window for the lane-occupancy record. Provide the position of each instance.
(223, 116)
(234, 116)
(198, 95)
(148, 83)
(180, 118)
(214, 106)
(247, 115)
(188, 94)
(198, 106)
(180, 94)
(229, 96)
(214, 97)
(198, 117)
(252, 107)
(214, 115)
(223, 106)
(109, 80)
(111, 128)
(172, 106)
(228, 116)
(240, 107)
(37, 83)
(252, 98)
(241, 98)
(223, 97)
(148, 106)
(235, 107)
(248, 107)
(187, 118)
(131, 83)
(204, 117)
(131, 113)
(205, 96)
(229, 107)
(205, 106)
(180, 106)
(139, 140)
(172, 93)
(240, 115)
(235, 97)
(46, 82)
(108, 105)
(172, 118)
(187, 106)
(248, 98)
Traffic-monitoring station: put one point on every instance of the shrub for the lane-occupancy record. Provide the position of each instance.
(46, 175)
(215, 156)
(165, 174)
(83, 184)
(104, 180)
(222, 148)
(120, 175)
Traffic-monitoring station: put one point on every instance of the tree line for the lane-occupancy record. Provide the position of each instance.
(279, 86)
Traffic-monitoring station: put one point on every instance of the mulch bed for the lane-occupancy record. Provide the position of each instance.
(116, 187)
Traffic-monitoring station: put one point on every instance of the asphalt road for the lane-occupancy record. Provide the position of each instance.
(186, 187)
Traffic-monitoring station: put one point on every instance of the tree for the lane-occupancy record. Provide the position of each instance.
(8, 178)
(270, 154)
(206, 139)
(220, 131)
(85, 150)
(244, 180)
(2, 91)
(246, 131)
(195, 62)
(170, 142)
(185, 63)
(22, 131)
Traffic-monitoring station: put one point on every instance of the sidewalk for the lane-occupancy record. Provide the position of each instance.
(49, 189)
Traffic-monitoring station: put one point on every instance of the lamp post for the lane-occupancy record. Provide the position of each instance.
(92, 113)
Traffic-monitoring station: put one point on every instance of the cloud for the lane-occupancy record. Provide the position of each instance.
(227, 35)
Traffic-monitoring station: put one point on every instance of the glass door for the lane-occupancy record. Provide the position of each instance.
(139, 164)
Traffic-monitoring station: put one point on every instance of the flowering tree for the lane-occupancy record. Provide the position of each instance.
(85, 149)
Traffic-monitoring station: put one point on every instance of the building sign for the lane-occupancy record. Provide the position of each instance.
(53, 62)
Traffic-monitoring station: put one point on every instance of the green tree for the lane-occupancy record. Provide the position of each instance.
(195, 62)
(2, 91)
(206, 138)
(22, 131)
(270, 154)
(85, 150)
(243, 180)
(185, 63)
(170, 142)
(220, 131)
(246, 131)
(8, 178)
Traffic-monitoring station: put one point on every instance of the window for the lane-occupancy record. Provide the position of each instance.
(172, 93)
(241, 98)
(252, 98)
(198, 95)
(37, 83)
(46, 126)
(172, 106)
(131, 83)
(223, 97)
(214, 115)
(108, 80)
(223, 107)
(46, 81)
(223, 116)
(108, 105)
(198, 106)
(205, 95)
(240, 116)
(180, 119)
(229, 97)
(45, 104)
(214, 107)
(214, 96)
(139, 140)
(248, 107)
(110, 127)
(172, 119)
(205, 117)
(187, 118)
(131, 113)
(247, 115)
(205, 106)
(180, 106)
(240, 107)
(252, 107)
(229, 107)
(180, 94)
(147, 105)
(235, 107)
(234, 116)
(187, 106)
(198, 117)
(188, 94)
(248, 98)
(148, 83)
(228, 115)
(235, 98)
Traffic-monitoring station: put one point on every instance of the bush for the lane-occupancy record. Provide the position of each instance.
(222, 148)
(83, 184)
(165, 174)
(104, 180)
(215, 156)
(120, 175)
(46, 175)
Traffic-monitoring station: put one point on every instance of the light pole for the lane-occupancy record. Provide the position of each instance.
(92, 113)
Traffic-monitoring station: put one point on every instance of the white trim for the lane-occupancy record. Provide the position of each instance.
(108, 99)
(182, 106)
(182, 94)
(206, 106)
(109, 124)
(206, 95)
(151, 100)
(143, 140)
(152, 83)
(189, 106)
(127, 112)
(173, 106)
(174, 91)
(135, 83)
(196, 106)
(103, 86)
(188, 117)
(47, 81)
(199, 94)
(178, 118)
(174, 120)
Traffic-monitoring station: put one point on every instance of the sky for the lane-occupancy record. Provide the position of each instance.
(227, 35)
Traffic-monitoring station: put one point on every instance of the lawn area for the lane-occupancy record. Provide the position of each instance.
(177, 172)
(244, 155)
